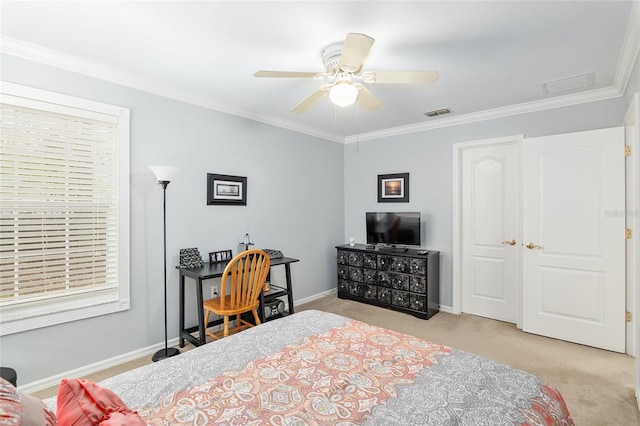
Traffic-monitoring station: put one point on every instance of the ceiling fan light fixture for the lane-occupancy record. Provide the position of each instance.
(344, 78)
(343, 94)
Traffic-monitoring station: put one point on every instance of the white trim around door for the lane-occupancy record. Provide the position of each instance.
(458, 150)
(632, 136)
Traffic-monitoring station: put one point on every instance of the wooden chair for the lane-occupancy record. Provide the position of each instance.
(247, 273)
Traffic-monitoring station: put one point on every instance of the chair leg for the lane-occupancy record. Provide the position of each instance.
(206, 319)
(255, 316)
(226, 325)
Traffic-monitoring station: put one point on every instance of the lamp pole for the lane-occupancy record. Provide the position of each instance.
(166, 352)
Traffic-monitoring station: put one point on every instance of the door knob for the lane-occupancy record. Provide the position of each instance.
(510, 242)
(532, 246)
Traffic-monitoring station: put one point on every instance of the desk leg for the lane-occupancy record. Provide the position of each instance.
(181, 311)
(287, 271)
(261, 307)
(201, 325)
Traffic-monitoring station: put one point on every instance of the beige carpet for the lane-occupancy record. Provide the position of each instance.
(597, 385)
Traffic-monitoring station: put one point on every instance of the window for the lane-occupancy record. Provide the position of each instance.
(64, 208)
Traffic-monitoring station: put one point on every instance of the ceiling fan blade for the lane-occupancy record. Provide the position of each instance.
(310, 100)
(367, 99)
(285, 74)
(355, 50)
(400, 77)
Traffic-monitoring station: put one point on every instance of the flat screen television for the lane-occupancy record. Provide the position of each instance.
(393, 228)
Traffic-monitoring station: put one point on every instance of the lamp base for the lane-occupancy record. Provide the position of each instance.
(165, 353)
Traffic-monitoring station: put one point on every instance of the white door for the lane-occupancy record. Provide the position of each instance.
(490, 212)
(574, 256)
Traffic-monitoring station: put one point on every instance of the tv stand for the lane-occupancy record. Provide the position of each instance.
(398, 278)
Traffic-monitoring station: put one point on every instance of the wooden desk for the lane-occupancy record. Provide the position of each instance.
(214, 270)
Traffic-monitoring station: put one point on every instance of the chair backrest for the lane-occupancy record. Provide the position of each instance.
(247, 272)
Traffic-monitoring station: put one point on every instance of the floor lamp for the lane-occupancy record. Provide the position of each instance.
(164, 175)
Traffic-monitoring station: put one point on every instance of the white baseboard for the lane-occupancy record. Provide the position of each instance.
(315, 296)
(447, 309)
(48, 382)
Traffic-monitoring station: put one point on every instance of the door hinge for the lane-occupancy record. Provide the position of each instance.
(627, 150)
(627, 316)
(627, 233)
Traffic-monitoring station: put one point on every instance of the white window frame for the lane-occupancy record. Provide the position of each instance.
(37, 315)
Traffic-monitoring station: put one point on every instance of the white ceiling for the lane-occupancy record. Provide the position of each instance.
(493, 56)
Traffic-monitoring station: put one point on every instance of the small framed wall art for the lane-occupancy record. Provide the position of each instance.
(220, 256)
(393, 188)
(226, 190)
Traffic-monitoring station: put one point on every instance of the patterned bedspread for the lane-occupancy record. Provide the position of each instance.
(319, 368)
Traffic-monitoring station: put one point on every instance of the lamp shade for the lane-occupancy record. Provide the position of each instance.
(164, 173)
(343, 94)
(246, 240)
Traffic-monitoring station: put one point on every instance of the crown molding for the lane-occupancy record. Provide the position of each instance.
(491, 114)
(630, 49)
(35, 53)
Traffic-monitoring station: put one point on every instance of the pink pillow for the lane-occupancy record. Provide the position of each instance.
(81, 403)
(19, 408)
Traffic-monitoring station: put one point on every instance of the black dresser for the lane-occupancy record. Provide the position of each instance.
(394, 278)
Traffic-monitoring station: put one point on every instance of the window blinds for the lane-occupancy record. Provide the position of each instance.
(58, 204)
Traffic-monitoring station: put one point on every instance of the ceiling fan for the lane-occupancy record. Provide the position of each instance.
(344, 76)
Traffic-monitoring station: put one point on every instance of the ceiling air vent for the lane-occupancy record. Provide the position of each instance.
(566, 84)
(437, 112)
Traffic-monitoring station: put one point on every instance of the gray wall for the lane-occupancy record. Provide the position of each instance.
(295, 204)
(427, 156)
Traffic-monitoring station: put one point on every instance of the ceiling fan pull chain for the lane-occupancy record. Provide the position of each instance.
(357, 128)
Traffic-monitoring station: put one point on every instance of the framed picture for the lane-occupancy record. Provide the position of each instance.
(226, 190)
(220, 256)
(393, 188)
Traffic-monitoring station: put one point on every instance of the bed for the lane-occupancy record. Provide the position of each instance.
(320, 368)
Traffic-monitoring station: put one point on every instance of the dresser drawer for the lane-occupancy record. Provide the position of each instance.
(370, 276)
(418, 302)
(355, 289)
(417, 284)
(355, 274)
(384, 295)
(400, 281)
(355, 258)
(400, 298)
(343, 272)
(370, 291)
(370, 261)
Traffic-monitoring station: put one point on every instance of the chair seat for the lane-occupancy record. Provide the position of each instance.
(214, 306)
